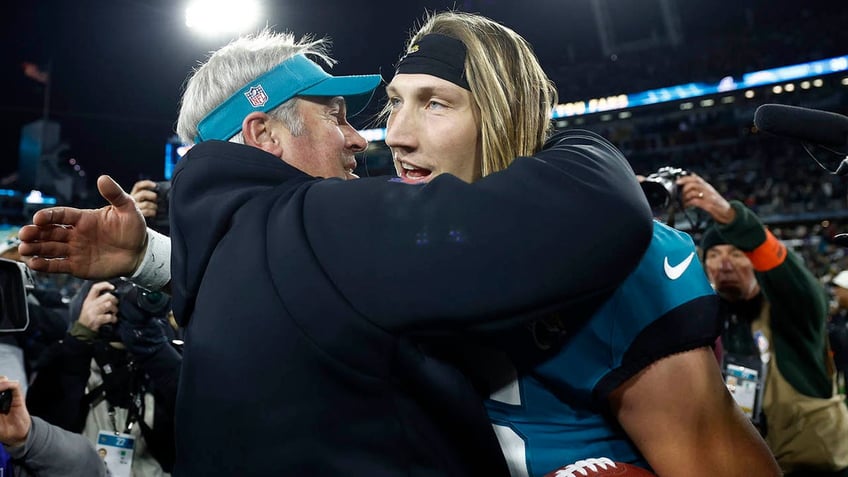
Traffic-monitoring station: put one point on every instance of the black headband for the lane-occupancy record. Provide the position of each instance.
(438, 55)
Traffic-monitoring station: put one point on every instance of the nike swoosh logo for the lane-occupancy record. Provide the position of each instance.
(676, 271)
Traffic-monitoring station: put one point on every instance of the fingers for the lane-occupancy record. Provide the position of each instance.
(697, 192)
(15, 386)
(99, 289)
(112, 192)
(100, 306)
(46, 242)
(144, 194)
(6, 383)
(45, 250)
(143, 185)
(42, 233)
(15, 426)
(41, 264)
(57, 216)
(148, 208)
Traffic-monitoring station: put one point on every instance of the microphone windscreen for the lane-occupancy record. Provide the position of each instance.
(809, 125)
(841, 240)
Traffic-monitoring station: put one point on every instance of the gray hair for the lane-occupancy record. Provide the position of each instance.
(241, 61)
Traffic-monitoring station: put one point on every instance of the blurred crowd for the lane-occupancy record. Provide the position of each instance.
(763, 38)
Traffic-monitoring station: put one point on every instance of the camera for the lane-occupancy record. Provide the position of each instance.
(161, 222)
(15, 282)
(660, 188)
(139, 302)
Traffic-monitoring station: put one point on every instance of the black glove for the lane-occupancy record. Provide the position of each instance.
(141, 333)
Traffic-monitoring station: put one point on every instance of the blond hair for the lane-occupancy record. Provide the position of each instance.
(509, 88)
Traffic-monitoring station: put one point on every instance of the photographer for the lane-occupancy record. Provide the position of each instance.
(118, 349)
(774, 313)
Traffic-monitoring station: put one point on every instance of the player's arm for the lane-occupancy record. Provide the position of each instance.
(680, 415)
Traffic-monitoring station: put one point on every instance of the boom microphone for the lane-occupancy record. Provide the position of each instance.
(822, 128)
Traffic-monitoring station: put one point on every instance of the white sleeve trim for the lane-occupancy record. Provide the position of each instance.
(154, 272)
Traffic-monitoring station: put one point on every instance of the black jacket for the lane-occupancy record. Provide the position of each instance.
(306, 301)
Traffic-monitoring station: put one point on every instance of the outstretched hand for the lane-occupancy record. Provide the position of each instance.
(88, 243)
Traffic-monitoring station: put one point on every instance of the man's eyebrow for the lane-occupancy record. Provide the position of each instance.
(429, 90)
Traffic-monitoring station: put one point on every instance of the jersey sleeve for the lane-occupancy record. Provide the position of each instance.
(665, 306)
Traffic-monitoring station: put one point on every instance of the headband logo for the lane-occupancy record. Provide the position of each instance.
(256, 95)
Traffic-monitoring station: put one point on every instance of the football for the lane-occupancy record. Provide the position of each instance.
(600, 467)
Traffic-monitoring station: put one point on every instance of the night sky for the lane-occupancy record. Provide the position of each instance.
(117, 67)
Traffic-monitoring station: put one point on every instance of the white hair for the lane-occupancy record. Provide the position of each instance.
(230, 68)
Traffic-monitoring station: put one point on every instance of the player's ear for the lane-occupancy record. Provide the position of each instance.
(258, 131)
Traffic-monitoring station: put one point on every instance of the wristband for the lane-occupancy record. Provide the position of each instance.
(154, 272)
(768, 255)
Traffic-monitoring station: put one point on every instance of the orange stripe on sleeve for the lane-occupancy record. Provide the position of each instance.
(768, 255)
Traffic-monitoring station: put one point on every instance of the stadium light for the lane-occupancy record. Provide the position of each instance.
(222, 16)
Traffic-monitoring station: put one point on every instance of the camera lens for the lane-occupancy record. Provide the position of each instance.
(656, 193)
(155, 303)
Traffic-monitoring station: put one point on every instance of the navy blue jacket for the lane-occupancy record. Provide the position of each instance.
(306, 299)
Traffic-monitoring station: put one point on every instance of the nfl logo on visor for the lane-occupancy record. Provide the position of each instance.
(256, 95)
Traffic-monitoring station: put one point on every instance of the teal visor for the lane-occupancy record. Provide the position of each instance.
(297, 76)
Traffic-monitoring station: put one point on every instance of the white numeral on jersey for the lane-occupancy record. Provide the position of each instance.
(513, 448)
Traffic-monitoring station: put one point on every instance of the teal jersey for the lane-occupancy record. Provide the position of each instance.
(555, 411)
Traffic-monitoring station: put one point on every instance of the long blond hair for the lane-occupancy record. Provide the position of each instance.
(513, 94)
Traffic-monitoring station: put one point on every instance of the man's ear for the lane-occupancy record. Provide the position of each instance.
(258, 132)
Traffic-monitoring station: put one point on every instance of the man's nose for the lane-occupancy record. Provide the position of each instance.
(399, 129)
(355, 141)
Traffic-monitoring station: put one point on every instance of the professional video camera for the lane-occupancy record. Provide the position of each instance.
(15, 282)
(661, 187)
(134, 302)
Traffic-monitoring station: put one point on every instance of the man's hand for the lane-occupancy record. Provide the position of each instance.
(88, 243)
(14, 426)
(99, 307)
(694, 191)
(144, 194)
